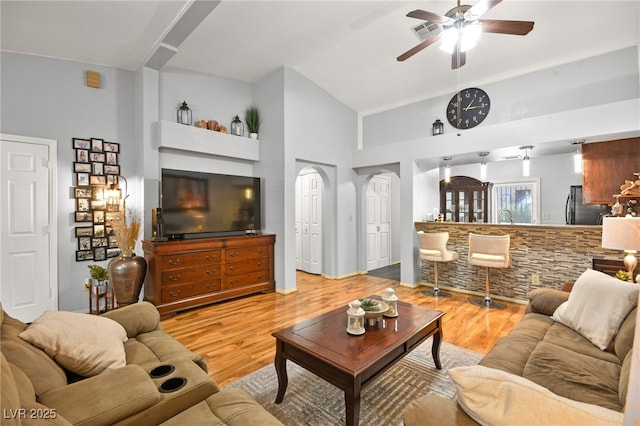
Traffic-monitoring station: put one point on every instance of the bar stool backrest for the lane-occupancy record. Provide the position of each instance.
(493, 246)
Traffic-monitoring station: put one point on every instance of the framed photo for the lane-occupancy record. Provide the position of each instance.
(97, 193)
(110, 169)
(82, 205)
(82, 192)
(99, 253)
(84, 217)
(84, 231)
(111, 147)
(84, 255)
(191, 193)
(96, 157)
(98, 231)
(98, 168)
(97, 180)
(113, 243)
(97, 145)
(112, 179)
(84, 243)
(98, 217)
(82, 167)
(112, 158)
(98, 204)
(82, 179)
(82, 155)
(99, 242)
(79, 143)
(111, 216)
(113, 252)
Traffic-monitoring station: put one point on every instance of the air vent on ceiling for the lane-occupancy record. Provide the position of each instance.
(426, 30)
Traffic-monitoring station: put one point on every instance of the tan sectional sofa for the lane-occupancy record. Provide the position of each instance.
(161, 382)
(551, 357)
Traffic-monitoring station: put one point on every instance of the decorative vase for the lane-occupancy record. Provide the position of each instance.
(126, 274)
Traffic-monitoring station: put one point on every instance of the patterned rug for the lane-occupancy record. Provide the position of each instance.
(310, 401)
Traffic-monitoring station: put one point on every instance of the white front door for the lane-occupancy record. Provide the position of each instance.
(28, 275)
(378, 222)
(309, 223)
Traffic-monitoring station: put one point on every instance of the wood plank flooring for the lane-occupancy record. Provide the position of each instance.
(235, 338)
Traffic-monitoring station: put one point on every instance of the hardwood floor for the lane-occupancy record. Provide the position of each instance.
(235, 338)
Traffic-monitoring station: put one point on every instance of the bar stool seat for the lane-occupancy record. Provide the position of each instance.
(433, 247)
(489, 251)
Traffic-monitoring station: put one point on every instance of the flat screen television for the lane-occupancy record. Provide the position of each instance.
(197, 204)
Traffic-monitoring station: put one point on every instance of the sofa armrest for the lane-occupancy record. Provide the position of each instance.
(106, 398)
(546, 300)
(435, 410)
(137, 318)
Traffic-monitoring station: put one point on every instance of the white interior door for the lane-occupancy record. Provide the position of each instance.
(378, 223)
(309, 223)
(28, 272)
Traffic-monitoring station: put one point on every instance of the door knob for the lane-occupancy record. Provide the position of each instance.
(377, 228)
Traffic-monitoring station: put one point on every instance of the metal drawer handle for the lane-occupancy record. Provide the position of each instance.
(175, 277)
(211, 272)
(174, 293)
(234, 254)
(261, 251)
(175, 261)
(233, 268)
(211, 257)
(233, 282)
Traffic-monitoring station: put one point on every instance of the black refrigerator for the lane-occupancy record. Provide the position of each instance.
(577, 213)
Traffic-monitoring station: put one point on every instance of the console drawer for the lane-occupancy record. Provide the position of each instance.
(179, 292)
(243, 253)
(246, 279)
(186, 275)
(181, 260)
(252, 265)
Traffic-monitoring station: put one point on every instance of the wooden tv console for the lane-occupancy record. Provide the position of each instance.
(189, 273)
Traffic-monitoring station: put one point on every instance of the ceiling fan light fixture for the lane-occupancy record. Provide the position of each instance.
(469, 35)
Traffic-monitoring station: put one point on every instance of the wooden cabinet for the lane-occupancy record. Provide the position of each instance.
(190, 273)
(606, 166)
(464, 199)
(610, 266)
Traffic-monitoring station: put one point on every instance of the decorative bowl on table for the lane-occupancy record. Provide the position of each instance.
(373, 310)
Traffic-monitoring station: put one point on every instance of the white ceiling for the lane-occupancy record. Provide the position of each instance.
(347, 47)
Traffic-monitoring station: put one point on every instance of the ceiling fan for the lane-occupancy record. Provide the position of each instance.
(462, 23)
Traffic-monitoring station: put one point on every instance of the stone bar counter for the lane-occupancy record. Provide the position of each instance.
(541, 256)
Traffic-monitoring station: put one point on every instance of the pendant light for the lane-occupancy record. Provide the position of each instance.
(577, 157)
(483, 165)
(447, 170)
(526, 168)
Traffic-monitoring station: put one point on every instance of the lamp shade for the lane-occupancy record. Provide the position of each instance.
(621, 233)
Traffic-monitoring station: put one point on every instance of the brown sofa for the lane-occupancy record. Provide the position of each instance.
(551, 355)
(37, 389)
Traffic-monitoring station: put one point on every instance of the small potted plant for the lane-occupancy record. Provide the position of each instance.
(253, 120)
(100, 276)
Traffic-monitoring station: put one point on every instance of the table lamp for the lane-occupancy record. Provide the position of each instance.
(623, 233)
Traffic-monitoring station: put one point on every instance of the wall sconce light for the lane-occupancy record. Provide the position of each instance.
(437, 128)
(525, 160)
(113, 196)
(483, 165)
(447, 170)
(184, 114)
(577, 157)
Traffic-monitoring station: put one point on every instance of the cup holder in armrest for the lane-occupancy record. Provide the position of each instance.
(161, 371)
(172, 385)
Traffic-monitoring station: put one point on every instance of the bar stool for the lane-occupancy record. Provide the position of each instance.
(433, 247)
(490, 251)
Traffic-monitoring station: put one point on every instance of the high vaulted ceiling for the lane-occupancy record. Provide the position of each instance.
(347, 47)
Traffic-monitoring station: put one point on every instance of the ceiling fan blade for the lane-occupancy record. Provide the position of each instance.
(409, 53)
(428, 16)
(458, 57)
(506, 27)
(480, 9)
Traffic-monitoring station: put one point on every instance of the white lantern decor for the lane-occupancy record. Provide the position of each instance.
(355, 315)
(390, 299)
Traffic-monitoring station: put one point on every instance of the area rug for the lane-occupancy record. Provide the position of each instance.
(310, 401)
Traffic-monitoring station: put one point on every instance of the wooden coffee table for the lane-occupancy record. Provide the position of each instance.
(322, 346)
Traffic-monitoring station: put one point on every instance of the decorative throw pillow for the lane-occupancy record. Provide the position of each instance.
(597, 305)
(494, 397)
(84, 344)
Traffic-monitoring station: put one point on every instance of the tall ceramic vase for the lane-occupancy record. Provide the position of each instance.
(126, 274)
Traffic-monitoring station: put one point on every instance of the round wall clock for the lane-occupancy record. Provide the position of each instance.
(468, 108)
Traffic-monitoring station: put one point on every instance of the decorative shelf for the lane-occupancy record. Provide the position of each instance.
(203, 141)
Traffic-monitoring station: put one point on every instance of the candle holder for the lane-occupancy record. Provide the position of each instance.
(390, 299)
(355, 316)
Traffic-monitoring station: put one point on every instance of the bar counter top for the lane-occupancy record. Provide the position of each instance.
(541, 256)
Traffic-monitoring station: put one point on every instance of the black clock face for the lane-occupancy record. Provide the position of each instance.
(468, 108)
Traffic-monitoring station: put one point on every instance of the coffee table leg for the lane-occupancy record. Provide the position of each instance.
(435, 347)
(352, 402)
(281, 370)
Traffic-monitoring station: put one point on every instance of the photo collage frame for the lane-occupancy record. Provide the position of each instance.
(95, 167)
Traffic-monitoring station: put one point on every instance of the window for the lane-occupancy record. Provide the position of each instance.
(515, 202)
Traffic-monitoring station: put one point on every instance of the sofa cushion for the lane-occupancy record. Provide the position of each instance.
(84, 344)
(147, 349)
(597, 305)
(494, 397)
(42, 371)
